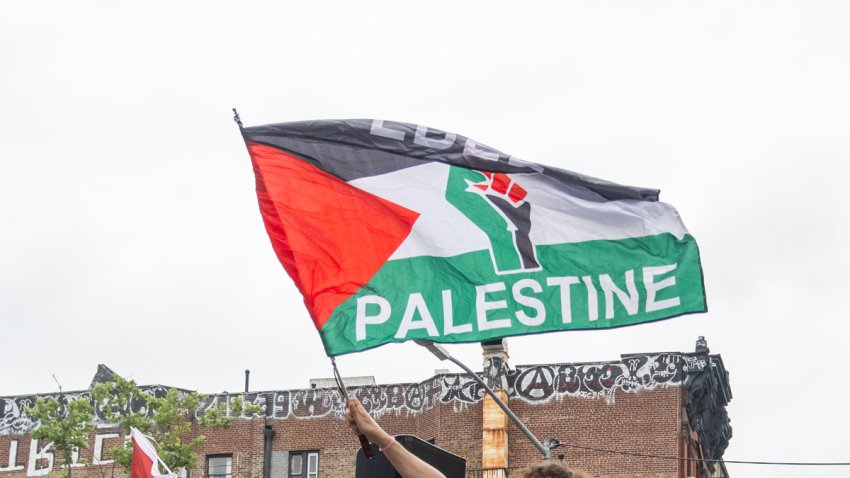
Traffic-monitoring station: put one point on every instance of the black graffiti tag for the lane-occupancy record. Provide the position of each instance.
(536, 383)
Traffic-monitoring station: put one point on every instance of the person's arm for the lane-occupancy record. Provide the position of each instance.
(406, 464)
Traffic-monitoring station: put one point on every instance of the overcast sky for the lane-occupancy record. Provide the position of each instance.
(130, 233)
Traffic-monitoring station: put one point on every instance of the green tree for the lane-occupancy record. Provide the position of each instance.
(168, 420)
(66, 425)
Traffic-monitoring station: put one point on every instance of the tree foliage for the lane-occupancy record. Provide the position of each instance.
(66, 425)
(168, 420)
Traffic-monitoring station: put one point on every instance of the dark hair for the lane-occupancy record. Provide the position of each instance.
(549, 470)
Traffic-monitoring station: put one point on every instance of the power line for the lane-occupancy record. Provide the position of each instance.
(706, 460)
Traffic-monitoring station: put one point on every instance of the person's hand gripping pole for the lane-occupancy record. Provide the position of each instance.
(364, 442)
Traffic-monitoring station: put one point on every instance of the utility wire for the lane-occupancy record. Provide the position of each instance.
(706, 460)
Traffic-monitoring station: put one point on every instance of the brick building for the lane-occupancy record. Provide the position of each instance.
(623, 418)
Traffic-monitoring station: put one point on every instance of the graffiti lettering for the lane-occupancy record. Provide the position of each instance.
(13, 458)
(533, 384)
(97, 459)
(38, 457)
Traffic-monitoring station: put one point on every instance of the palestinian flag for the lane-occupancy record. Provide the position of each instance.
(393, 232)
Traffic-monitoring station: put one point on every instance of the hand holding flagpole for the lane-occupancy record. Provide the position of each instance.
(364, 442)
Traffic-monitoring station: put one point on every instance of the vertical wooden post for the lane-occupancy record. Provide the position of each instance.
(494, 443)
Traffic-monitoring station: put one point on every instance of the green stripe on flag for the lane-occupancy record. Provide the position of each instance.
(587, 285)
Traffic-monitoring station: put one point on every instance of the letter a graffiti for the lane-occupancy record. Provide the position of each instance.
(496, 205)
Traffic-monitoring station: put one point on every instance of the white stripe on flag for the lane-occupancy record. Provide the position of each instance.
(441, 230)
(557, 217)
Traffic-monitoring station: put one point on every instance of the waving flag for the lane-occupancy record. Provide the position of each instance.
(393, 232)
(145, 462)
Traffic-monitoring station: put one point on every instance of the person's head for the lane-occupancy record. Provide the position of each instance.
(550, 469)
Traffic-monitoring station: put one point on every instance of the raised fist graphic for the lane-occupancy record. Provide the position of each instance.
(496, 204)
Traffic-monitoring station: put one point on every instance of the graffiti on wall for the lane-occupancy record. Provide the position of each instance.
(13, 420)
(599, 380)
(533, 384)
(41, 457)
(536, 384)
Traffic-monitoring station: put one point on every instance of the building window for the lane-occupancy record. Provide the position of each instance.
(304, 464)
(219, 466)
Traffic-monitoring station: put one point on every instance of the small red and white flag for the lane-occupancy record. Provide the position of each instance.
(146, 462)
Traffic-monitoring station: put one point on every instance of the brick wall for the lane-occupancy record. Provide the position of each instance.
(646, 422)
(634, 405)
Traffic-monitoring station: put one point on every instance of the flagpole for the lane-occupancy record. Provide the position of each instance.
(443, 354)
(165, 466)
(237, 119)
(364, 442)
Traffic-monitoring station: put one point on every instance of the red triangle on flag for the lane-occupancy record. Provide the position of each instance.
(330, 236)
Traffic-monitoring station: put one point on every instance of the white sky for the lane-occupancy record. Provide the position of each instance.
(130, 233)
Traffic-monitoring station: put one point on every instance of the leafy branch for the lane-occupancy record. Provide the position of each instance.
(66, 425)
(167, 419)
